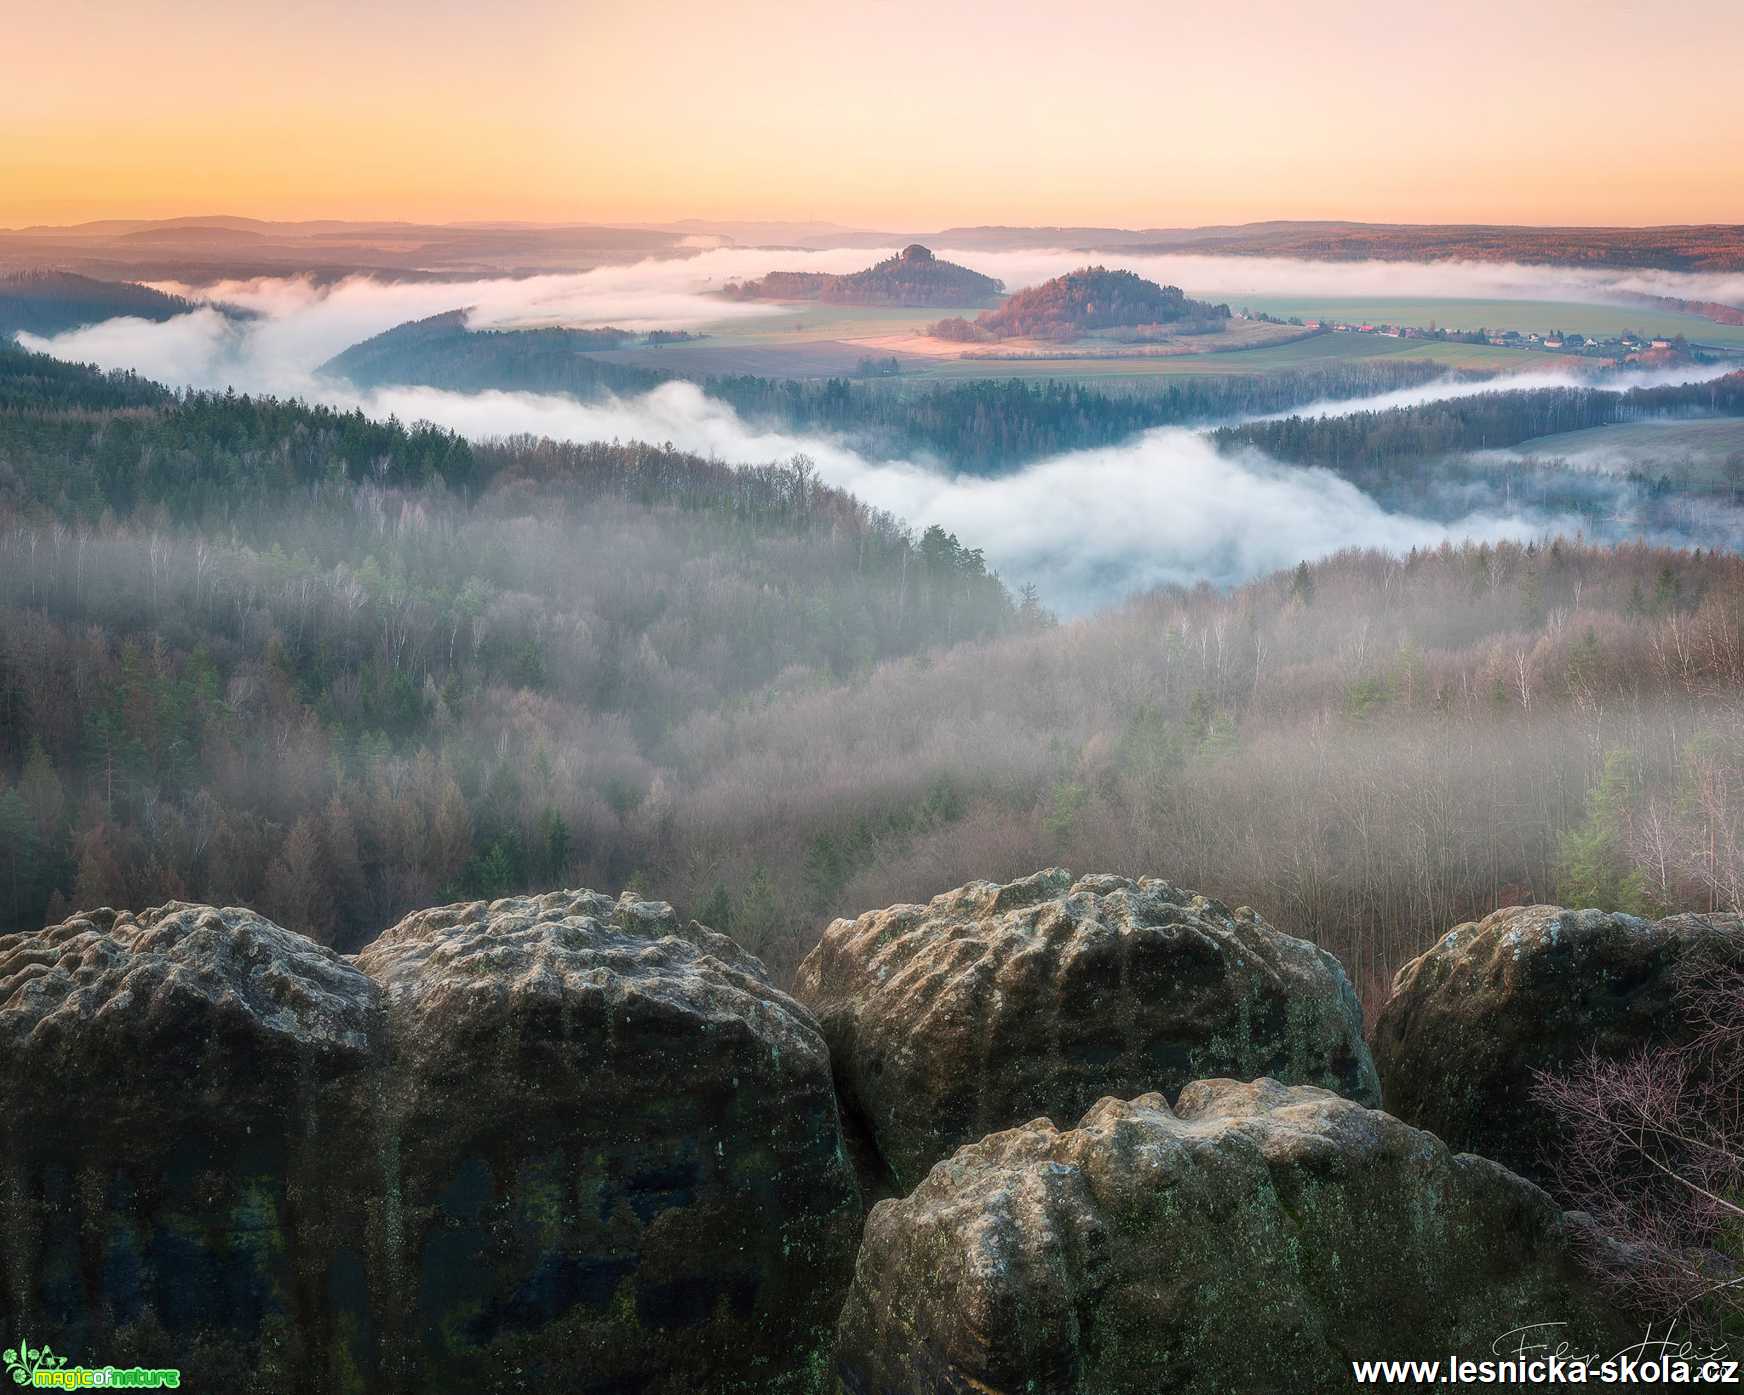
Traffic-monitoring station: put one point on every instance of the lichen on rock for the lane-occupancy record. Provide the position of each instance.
(1254, 1237)
(1527, 989)
(557, 1140)
(618, 1150)
(996, 1003)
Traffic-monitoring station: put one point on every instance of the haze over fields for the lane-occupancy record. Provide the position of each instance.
(1185, 514)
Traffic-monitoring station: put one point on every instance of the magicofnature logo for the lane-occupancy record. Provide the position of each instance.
(24, 1361)
(42, 1368)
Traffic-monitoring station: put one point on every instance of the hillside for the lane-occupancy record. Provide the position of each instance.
(317, 587)
(1092, 300)
(52, 302)
(913, 277)
(441, 351)
(1371, 446)
(294, 659)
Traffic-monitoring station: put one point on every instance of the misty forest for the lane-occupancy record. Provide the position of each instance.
(561, 745)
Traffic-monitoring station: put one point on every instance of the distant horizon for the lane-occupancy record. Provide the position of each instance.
(894, 228)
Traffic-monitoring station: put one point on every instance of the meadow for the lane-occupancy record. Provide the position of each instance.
(1526, 316)
(815, 341)
(1695, 453)
(1278, 358)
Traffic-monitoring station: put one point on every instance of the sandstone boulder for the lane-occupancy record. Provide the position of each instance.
(1529, 988)
(555, 1143)
(1254, 1238)
(180, 1130)
(995, 1004)
(620, 1161)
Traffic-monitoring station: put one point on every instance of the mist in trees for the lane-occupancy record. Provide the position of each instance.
(264, 653)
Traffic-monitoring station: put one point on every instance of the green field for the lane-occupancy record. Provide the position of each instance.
(1278, 358)
(1692, 452)
(819, 340)
(833, 321)
(811, 340)
(1527, 316)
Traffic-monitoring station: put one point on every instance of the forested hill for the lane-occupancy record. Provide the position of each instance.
(442, 352)
(999, 425)
(77, 444)
(378, 669)
(914, 277)
(257, 652)
(1367, 442)
(41, 382)
(1090, 300)
(52, 302)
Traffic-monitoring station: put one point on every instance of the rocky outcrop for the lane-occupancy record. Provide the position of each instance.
(620, 1161)
(1529, 988)
(1255, 1237)
(994, 1004)
(182, 1117)
(557, 1142)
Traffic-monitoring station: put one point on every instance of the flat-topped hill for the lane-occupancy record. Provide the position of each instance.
(914, 276)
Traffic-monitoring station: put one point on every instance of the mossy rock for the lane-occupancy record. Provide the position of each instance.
(183, 1121)
(1254, 1237)
(1529, 989)
(994, 1004)
(559, 1142)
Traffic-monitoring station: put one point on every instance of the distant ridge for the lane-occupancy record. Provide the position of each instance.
(108, 247)
(1692, 247)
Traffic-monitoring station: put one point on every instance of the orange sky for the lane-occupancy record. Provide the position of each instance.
(897, 115)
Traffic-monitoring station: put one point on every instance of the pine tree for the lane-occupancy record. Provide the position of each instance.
(716, 911)
(41, 790)
(298, 893)
(18, 848)
(554, 842)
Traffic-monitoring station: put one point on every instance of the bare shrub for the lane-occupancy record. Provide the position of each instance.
(1653, 1151)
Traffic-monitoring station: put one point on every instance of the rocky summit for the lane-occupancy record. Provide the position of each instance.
(997, 1003)
(561, 1142)
(1252, 1238)
(1527, 989)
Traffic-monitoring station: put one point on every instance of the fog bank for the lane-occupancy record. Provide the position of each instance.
(1087, 527)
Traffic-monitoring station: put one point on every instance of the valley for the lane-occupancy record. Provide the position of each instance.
(332, 697)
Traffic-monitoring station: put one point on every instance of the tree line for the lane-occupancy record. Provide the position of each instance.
(1369, 443)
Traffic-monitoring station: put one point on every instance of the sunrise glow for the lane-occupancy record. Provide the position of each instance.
(902, 114)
